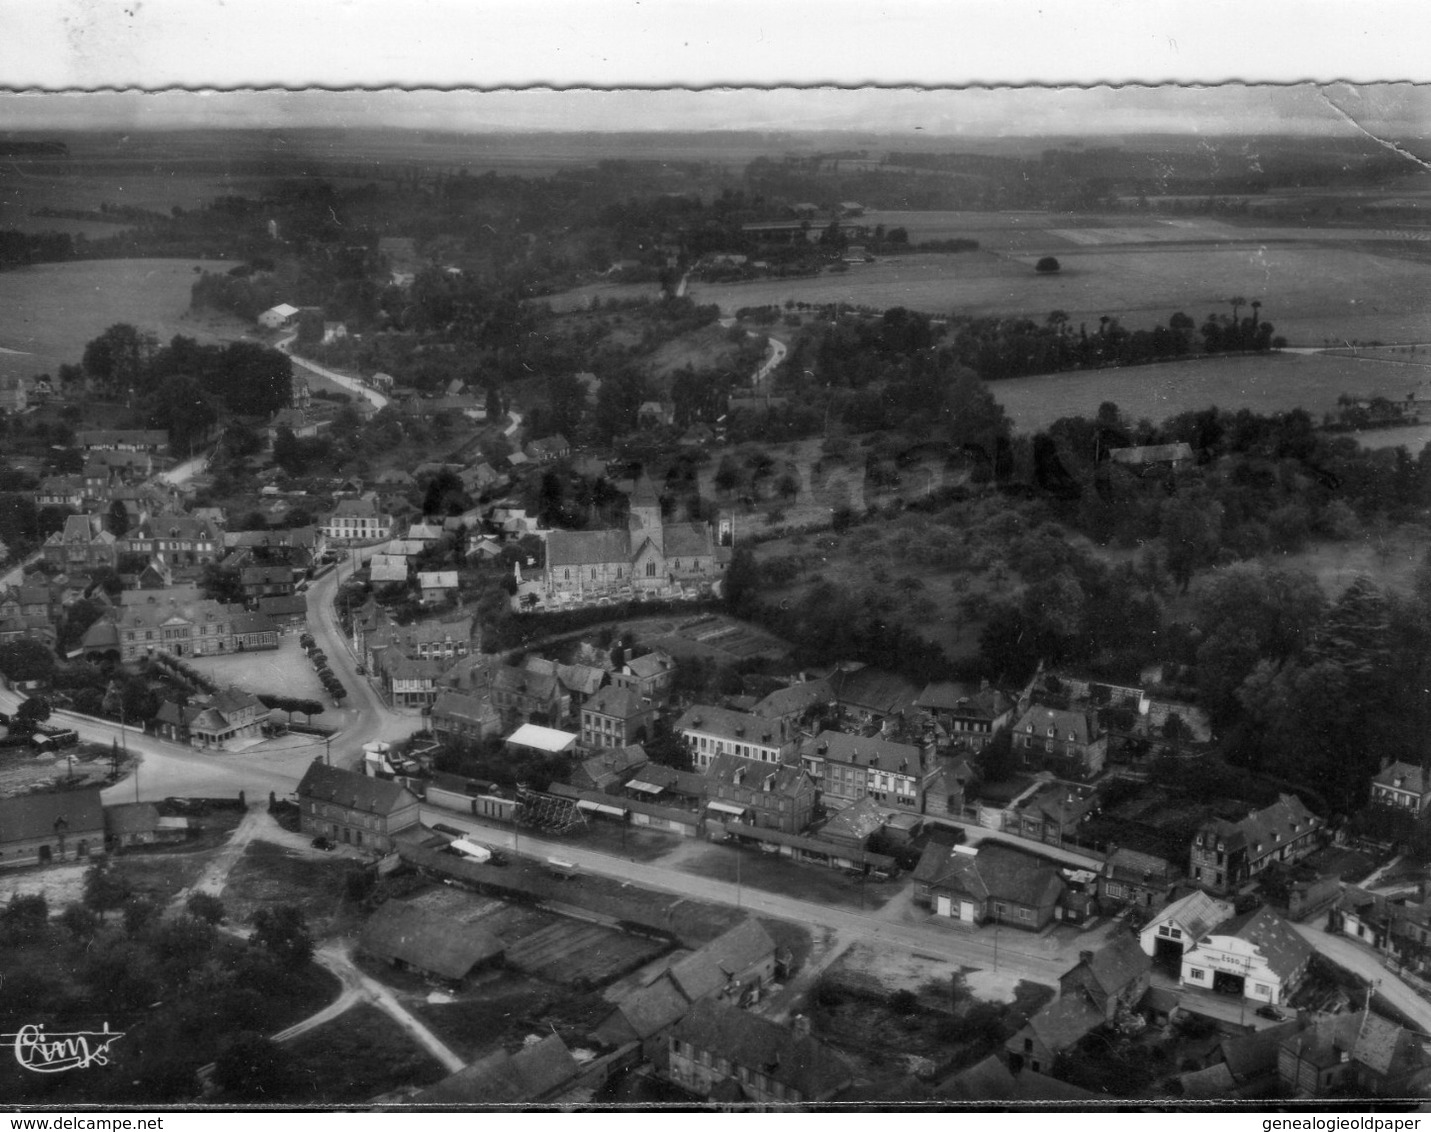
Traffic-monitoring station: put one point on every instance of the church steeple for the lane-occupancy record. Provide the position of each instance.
(645, 521)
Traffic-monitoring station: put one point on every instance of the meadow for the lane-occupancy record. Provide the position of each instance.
(53, 309)
(1265, 384)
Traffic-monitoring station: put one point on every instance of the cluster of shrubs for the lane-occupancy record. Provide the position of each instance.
(186, 672)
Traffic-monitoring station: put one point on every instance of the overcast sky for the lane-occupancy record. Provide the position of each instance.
(1399, 110)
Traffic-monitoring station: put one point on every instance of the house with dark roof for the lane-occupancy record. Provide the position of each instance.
(723, 1052)
(970, 716)
(285, 612)
(1112, 978)
(1056, 1028)
(729, 967)
(1257, 955)
(39, 829)
(1402, 787)
(536, 1073)
(429, 943)
(795, 703)
(769, 797)
(646, 1015)
(990, 1081)
(266, 581)
(1224, 855)
(850, 767)
(1071, 744)
(872, 693)
(460, 715)
(988, 883)
(1361, 1053)
(548, 448)
(609, 770)
(1132, 879)
(853, 826)
(229, 717)
(709, 730)
(140, 823)
(353, 809)
(1252, 1058)
(615, 717)
(521, 695)
(679, 789)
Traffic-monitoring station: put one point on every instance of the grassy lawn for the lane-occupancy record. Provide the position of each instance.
(269, 874)
(502, 1011)
(357, 1056)
(53, 309)
(284, 671)
(772, 873)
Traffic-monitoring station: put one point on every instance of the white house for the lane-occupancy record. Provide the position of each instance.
(1181, 924)
(276, 318)
(1403, 787)
(436, 584)
(358, 520)
(387, 568)
(1256, 955)
(709, 731)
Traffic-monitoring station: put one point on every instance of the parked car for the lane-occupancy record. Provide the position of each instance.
(1271, 1012)
(321, 842)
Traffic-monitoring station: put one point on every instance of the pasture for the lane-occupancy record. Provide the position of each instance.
(53, 309)
(1311, 294)
(1265, 384)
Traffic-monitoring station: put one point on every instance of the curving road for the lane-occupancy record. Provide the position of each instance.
(376, 399)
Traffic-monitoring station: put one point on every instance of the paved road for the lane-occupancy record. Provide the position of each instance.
(778, 350)
(1039, 958)
(377, 400)
(1367, 964)
(977, 833)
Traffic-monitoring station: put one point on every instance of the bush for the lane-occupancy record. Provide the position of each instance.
(903, 1002)
(1047, 266)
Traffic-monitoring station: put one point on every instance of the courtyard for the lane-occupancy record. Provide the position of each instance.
(284, 671)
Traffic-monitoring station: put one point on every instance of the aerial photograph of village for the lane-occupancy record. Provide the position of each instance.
(783, 602)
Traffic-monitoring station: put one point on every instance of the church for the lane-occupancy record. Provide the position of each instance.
(650, 558)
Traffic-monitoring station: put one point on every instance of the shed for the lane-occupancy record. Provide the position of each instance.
(438, 945)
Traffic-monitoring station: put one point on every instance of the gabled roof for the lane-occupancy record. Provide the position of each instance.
(707, 971)
(612, 767)
(712, 720)
(1197, 913)
(647, 1011)
(1282, 948)
(965, 701)
(874, 690)
(1117, 964)
(1078, 726)
(1255, 1054)
(1263, 831)
(801, 1063)
(583, 679)
(1403, 776)
(427, 940)
(1062, 1024)
(34, 815)
(129, 818)
(578, 548)
(1130, 865)
(856, 822)
(534, 1073)
(987, 1080)
(616, 701)
(650, 664)
(1003, 874)
(869, 751)
(1151, 454)
(460, 705)
(796, 699)
(353, 791)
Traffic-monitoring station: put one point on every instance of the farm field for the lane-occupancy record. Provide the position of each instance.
(1268, 384)
(1311, 294)
(53, 309)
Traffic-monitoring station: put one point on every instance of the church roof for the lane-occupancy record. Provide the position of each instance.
(580, 548)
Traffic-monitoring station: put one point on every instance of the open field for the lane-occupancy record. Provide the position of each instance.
(269, 874)
(1266, 384)
(53, 309)
(284, 671)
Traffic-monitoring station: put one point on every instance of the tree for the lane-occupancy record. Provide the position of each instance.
(27, 659)
(222, 583)
(253, 1067)
(1048, 265)
(105, 889)
(30, 714)
(282, 930)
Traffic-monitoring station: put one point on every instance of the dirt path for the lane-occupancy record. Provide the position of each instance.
(216, 875)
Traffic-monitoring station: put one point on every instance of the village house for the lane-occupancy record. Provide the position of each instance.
(615, 717)
(794, 704)
(41, 829)
(851, 767)
(872, 694)
(386, 568)
(266, 581)
(279, 317)
(128, 824)
(543, 1072)
(358, 521)
(1113, 978)
(458, 715)
(1129, 878)
(1256, 955)
(1402, 787)
(970, 718)
(435, 586)
(610, 769)
(649, 676)
(523, 696)
(123, 439)
(1150, 456)
(855, 825)
(709, 731)
(61, 491)
(226, 719)
(1053, 1030)
(769, 797)
(725, 1053)
(183, 540)
(988, 883)
(352, 809)
(548, 448)
(409, 681)
(286, 613)
(254, 631)
(1358, 1053)
(1070, 744)
(1225, 855)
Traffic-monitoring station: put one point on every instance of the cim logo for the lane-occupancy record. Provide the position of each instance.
(58, 1053)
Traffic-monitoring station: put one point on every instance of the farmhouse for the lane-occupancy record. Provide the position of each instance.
(650, 556)
(37, 829)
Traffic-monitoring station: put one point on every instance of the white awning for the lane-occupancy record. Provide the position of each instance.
(726, 808)
(645, 787)
(598, 808)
